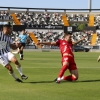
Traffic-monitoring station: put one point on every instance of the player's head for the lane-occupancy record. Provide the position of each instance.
(23, 31)
(67, 36)
(7, 29)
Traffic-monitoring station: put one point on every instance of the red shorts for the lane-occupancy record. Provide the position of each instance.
(70, 60)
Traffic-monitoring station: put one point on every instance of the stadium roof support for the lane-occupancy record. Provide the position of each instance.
(89, 5)
(46, 9)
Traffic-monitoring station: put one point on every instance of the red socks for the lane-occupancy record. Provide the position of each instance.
(63, 69)
(70, 78)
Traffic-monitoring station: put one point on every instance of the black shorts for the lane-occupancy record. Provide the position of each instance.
(22, 44)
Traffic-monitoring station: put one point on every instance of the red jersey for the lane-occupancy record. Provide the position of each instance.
(65, 47)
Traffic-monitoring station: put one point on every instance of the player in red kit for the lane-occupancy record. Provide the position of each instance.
(68, 62)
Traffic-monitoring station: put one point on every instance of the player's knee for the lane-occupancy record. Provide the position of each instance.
(65, 63)
(74, 77)
(21, 52)
(14, 60)
(8, 66)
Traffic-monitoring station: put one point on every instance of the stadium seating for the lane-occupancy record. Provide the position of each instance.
(4, 15)
(53, 36)
(97, 20)
(30, 19)
(46, 18)
(77, 17)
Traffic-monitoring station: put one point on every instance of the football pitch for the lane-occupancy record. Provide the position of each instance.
(42, 68)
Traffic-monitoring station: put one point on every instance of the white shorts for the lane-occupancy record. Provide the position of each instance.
(5, 58)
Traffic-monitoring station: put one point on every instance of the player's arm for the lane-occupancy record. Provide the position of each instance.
(18, 39)
(14, 46)
(75, 43)
(47, 43)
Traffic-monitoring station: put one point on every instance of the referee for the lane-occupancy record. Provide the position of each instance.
(23, 39)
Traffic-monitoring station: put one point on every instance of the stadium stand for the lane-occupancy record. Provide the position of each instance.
(4, 15)
(30, 18)
(77, 17)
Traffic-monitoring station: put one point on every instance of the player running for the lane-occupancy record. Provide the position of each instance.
(68, 62)
(23, 39)
(6, 56)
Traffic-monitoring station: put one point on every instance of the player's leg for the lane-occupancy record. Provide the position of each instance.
(73, 71)
(72, 77)
(4, 62)
(21, 52)
(65, 65)
(13, 59)
(11, 72)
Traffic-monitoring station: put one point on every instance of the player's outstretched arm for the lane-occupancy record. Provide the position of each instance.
(46, 43)
(75, 43)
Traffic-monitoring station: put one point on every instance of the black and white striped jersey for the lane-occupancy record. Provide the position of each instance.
(5, 42)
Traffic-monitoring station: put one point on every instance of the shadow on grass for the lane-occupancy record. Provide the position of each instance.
(98, 80)
(39, 82)
(34, 82)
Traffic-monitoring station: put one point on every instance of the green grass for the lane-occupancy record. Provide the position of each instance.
(42, 68)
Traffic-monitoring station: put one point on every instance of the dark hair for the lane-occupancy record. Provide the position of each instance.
(68, 33)
(23, 29)
(7, 25)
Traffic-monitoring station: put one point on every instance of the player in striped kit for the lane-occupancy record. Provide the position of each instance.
(6, 56)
